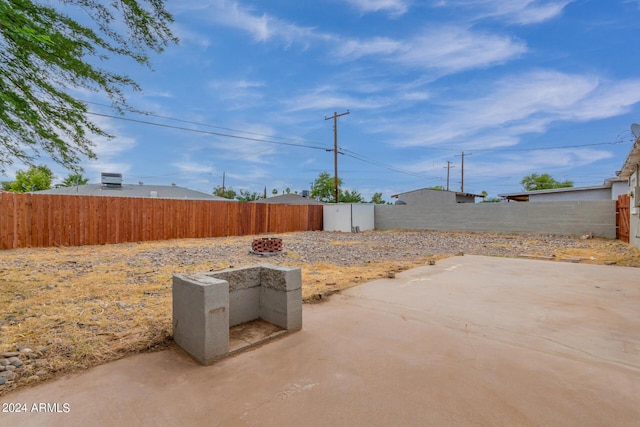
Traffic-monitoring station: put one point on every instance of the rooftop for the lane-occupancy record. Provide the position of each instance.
(130, 190)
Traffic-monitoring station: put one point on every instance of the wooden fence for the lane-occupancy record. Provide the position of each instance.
(38, 220)
(623, 218)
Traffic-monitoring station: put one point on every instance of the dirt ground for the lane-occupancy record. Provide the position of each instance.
(78, 307)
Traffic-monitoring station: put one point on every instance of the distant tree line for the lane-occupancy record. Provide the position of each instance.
(38, 178)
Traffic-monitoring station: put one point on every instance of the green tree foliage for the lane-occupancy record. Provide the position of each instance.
(35, 179)
(323, 190)
(274, 191)
(45, 56)
(377, 199)
(228, 193)
(437, 187)
(545, 181)
(352, 196)
(491, 200)
(73, 179)
(248, 196)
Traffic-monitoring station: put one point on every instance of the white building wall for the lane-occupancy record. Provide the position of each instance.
(345, 217)
(618, 189)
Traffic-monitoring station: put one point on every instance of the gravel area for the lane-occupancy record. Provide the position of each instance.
(347, 249)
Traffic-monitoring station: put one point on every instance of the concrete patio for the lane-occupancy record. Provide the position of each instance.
(470, 341)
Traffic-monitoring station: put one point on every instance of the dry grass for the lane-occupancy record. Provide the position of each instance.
(93, 304)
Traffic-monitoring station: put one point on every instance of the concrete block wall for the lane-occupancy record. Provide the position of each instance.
(201, 316)
(562, 218)
(206, 305)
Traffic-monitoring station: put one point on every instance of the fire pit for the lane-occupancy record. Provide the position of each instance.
(267, 246)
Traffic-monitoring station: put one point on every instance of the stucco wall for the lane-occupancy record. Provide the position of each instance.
(619, 188)
(562, 218)
(346, 216)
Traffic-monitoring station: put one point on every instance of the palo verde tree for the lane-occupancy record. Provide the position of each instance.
(545, 181)
(45, 54)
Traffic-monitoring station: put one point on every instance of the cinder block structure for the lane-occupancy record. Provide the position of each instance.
(206, 305)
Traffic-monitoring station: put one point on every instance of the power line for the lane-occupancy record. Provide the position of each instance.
(559, 147)
(207, 125)
(353, 155)
(618, 140)
(357, 156)
(208, 132)
(549, 148)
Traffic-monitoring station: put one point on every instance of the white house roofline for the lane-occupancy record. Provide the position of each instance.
(433, 189)
(631, 162)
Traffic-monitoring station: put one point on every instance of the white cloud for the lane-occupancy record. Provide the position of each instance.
(518, 105)
(329, 99)
(109, 152)
(189, 37)
(238, 94)
(354, 49)
(519, 164)
(514, 165)
(447, 49)
(262, 27)
(455, 49)
(394, 7)
(514, 11)
(610, 99)
(193, 167)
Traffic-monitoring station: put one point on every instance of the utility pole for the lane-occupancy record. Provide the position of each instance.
(335, 151)
(462, 155)
(449, 166)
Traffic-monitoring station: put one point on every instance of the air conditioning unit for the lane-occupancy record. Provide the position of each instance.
(112, 179)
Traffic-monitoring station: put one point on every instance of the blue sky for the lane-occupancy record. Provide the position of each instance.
(505, 81)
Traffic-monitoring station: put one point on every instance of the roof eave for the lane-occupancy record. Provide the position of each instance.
(631, 162)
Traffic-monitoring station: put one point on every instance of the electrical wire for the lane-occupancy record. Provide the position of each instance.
(545, 148)
(353, 154)
(209, 126)
(206, 132)
(357, 156)
(341, 150)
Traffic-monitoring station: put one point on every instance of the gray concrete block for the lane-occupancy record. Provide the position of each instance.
(562, 218)
(281, 278)
(283, 309)
(244, 305)
(201, 316)
(239, 277)
(205, 305)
